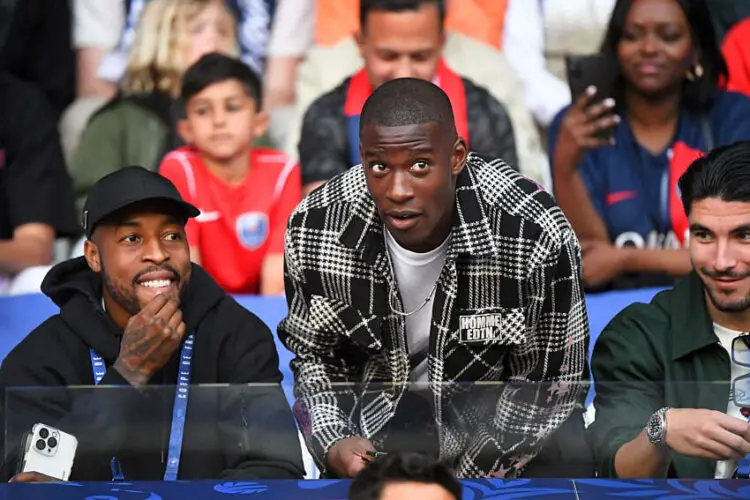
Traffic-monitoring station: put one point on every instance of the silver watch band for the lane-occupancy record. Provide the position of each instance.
(656, 429)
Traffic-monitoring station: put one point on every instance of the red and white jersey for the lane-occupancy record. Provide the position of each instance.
(238, 225)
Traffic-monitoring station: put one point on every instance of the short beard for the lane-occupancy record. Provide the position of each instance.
(123, 297)
(733, 307)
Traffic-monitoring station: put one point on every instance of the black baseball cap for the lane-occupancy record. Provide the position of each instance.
(125, 187)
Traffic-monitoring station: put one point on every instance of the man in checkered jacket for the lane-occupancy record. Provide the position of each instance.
(414, 276)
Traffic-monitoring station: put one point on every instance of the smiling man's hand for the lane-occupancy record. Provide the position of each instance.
(150, 339)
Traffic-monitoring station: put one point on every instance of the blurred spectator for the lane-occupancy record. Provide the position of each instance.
(514, 26)
(36, 202)
(400, 39)
(245, 194)
(620, 193)
(139, 126)
(510, 25)
(736, 50)
(406, 476)
(35, 46)
(482, 20)
(253, 31)
(519, 28)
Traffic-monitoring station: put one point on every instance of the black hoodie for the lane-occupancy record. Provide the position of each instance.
(237, 431)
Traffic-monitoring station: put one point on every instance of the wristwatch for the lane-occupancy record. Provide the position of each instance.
(656, 430)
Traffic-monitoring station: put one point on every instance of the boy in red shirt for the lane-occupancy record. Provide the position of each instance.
(245, 194)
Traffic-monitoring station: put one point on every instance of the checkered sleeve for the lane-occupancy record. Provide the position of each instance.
(325, 400)
(546, 373)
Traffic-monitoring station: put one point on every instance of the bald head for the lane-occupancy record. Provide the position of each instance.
(409, 101)
(412, 157)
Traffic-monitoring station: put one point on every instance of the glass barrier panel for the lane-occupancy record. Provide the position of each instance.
(230, 429)
(262, 438)
(261, 429)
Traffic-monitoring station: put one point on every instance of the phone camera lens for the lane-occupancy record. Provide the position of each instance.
(52, 442)
(40, 444)
(44, 433)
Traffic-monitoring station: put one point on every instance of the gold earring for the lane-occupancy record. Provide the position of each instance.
(695, 72)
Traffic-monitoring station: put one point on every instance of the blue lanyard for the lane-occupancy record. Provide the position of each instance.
(178, 411)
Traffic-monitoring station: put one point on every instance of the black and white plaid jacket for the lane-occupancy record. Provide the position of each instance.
(512, 255)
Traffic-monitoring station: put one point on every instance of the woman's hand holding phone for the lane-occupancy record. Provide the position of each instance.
(586, 125)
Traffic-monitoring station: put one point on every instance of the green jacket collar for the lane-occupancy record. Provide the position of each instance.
(692, 329)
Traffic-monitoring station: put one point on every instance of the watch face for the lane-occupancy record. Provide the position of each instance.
(653, 428)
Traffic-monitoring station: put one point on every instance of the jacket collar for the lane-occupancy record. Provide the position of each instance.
(472, 234)
(692, 326)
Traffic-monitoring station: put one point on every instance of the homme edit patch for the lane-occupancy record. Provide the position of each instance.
(479, 328)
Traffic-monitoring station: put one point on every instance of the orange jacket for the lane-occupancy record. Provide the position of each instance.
(736, 49)
(482, 20)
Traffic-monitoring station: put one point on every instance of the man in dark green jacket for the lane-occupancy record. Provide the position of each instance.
(672, 376)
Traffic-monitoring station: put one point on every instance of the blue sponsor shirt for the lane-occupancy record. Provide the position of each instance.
(630, 187)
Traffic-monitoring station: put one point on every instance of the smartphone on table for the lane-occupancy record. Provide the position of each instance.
(49, 451)
(597, 70)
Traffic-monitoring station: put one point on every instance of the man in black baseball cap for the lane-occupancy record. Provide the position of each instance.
(126, 187)
(120, 205)
(135, 303)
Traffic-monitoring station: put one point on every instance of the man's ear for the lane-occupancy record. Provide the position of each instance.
(185, 131)
(459, 156)
(92, 256)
